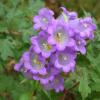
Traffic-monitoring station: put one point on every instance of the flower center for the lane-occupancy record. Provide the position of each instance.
(85, 25)
(65, 58)
(35, 61)
(58, 36)
(78, 42)
(37, 64)
(45, 20)
(47, 46)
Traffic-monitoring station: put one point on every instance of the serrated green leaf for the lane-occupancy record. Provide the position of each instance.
(5, 84)
(94, 76)
(91, 55)
(6, 49)
(84, 88)
(96, 87)
(2, 9)
(35, 4)
(27, 34)
(3, 26)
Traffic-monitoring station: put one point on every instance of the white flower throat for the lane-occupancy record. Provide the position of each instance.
(58, 36)
(65, 58)
(35, 61)
(85, 25)
(45, 20)
(47, 46)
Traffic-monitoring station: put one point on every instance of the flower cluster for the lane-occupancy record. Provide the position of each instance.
(55, 48)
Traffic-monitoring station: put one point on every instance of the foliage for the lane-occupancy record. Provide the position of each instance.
(15, 30)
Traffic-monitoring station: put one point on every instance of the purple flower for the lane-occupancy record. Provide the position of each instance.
(85, 27)
(34, 62)
(49, 76)
(60, 36)
(80, 44)
(44, 19)
(89, 27)
(57, 84)
(54, 50)
(19, 65)
(66, 16)
(65, 60)
(41, 45)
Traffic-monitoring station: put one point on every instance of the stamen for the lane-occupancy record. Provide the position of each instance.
(47, 46)
(45, 20)
(65, 58)
(35, 61)
(85, 25)
(79, 42)
(58, 37)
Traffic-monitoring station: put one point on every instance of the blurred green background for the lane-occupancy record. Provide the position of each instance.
(15, 31)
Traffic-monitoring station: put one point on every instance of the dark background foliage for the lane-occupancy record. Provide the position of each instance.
(15, 31)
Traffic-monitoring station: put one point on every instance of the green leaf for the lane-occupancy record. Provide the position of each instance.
(6, 49)
(27, 33)
(25, 96)
(96, 87)
(84, 88)
(5, 84)
(1, 66)
(35, 5)
(87, 14)
(94, 76)
(94, 57)
(3, 26)
(68, 83)
(2, 9)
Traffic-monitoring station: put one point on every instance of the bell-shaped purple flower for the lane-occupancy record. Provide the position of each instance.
(80, 44)
(44, 19)
(89, 27)
(49, 76)
(60, 36)
(85, 27)
(41, 45)
(57, 84)
(66, 16)
(21, 68)
(19, 65)
(34, 62)
(65, 60)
